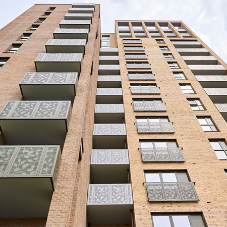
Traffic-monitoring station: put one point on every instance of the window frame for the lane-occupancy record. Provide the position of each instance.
(196, 105)
(219, 141)
(179, 73)
(187, 89)
(173, 65)
(206, 118)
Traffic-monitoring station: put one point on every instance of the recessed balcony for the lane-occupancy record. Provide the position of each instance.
(109, 81)
(207, 69)
(35, 122)
(109, 136)
(59, 62)
(108, 51)
(79, 24)
(187, 44)
(109, 113)
(193, 51)
(108, 60)
(222, 108)
(138, 65)
(216, 81)
(133, 48)
(109, 166)
(49, 86)
(83, 5)
(61, 33)
(65, 46)
(109, 70)
(109, 204)
(81, 10)
(200, 60)
(28, 176)
(217, 95)
(109, 95)
(141, 76)
(78, 16)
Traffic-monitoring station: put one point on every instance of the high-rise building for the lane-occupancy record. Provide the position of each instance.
(120, 129)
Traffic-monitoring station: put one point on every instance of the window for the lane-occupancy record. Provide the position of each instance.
(46, 14)
(164, 48)
(160, 41)
(187, 88)
(177, 220)
(3, 61)
(196, 104)
(13, 48)
(51, 8)
(105, 41)
(179, 75)
(207, 124)
(168, 56)
(220, 148)
(173, 65)
(25, 36)
(34, 27)
(40, 20)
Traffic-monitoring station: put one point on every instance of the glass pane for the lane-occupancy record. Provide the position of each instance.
(206, 128)
(181, 221)
(195, 108)
(146, 145)
(152, 177)
(160, 144)
(153, 120)
(202, 121)
(141, 120)
(161, 221)
(221, 154)
(216, 145)
(169, 177)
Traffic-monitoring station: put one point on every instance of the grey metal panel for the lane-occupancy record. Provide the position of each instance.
(109, 58)
(216, 91)
(162, 155)
(167, 30)
(109, 78)
(222, 107)
(83, 5)
(80, 10)
(186, 43)
(125, 34)
(152, 29)
(109, 91)
(155, 127)
(171, 192)
(192, 50)
(144, 90)
(136, 56)
(211, 78)
(140, 35)
(71, 30)
(109, 108)
(155, 34)
(141, 76)
(109, 129)
(181, 30)
(196, 220)
(134, 48)
(72, 22)
(138, 66)
(36, 110)
(108, 49)
(132, 41)
(186, 34)
(109, 194)
(149, 106)
(59, 57)
(170, 34)
(109, 156)
(66, 42)
(79, 15)
(109, 67)
(207, 67)
(199, 58)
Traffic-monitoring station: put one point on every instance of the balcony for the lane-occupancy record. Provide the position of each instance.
(187, 44)
(140, 35)
(170, 34)
(149, 106)
(109, 81)
(167, 30)
(193, 51)
(138, 65)
(216, 81)
(109, 113)
(132, 41)
(200, 60)
(162, 155)
(83, 5)
(181, 30)
(136, 56)
(207, 69)
(61, 33)
(109, 136)
(35, 122)
(222, 108)
(28, 176)
(109, 166)
(78, 16)
(109, 70)
(81, 10)
(123, 29)
(108, 51)
(65, 46)
(133, 48)
(217, 95)
(152, 29)
(79, 24)
(109, 95)
(155, 35)
(141, 76)
(125, 34)
(181, 191)
(186, 35)
(49, 86)
(108, 60)
(59, 62)
(146, 89)
(109, 204)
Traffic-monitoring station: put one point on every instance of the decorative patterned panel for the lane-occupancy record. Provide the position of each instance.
(136, 56)
(211, 78)
(109, 108)
(109, 67)
(109, 78)
(155, 127)
(141, 76)
(79, 15)
(109, 194)
(222, 107)
(88, 22)
(109, 91)
(125, 34)
(162, 155)
(138, 66)
(207, 67)
(72, 10)
(109, 58)
(49, 78)
(56, 57)
(170, 34)
(134, 48)
(110, 156)
(149, 106)
(28, 161)
(65, 30)
(167, 30)
(109, 129)
(207, 58)
(66, 42)
(80, 5)
(186, 43)
(140, 35)
(216, 91)
(132, 41)
(192, 50)
(155, 34)
(108, 49)
(171, 192)
(144, 90)
(36, 110)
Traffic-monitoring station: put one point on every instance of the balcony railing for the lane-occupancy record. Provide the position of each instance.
(145, 106)
(193, 51)
(138, 66)
(132, 41)
(181, 191)
(125, 34)
(81, 10)
(78, 16)
(83, 5)
(155, 127)
(109, 129)
(140, 76)
(109, 78)
(162, 155)
(81, 24)
(144, 90)
(136, 56)
(109, 108)
(61, 33)
(109, 69)
(133, 48)
(190, 44)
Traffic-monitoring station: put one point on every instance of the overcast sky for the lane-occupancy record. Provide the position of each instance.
(207, 18)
